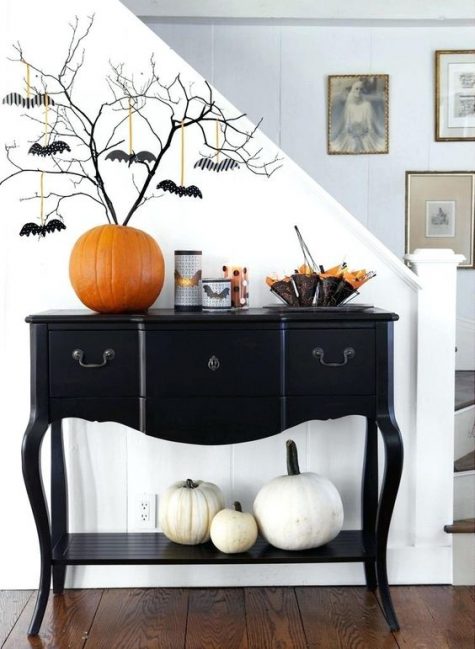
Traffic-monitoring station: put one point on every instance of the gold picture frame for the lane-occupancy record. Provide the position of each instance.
(455, 95)
(440, 212)
(358, 114)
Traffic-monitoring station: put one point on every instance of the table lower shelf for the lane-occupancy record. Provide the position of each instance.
(155, 548)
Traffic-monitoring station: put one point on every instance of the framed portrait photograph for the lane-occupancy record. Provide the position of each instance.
(454, 95)
(358, 114)
(440, 212)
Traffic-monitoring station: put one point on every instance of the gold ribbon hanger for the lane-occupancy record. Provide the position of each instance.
(27, 79)
(170, 185)
(182, 154)
(46, 142)
(131, 146)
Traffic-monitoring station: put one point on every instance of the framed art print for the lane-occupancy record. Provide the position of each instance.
(358, 114)
(440, 212)
(454, 95)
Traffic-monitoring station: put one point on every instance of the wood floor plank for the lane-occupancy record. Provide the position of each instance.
(149, 618)
(343, 618)
(216, 619)
(429, 620)
(66, 624)
(431, 617)
(12, 602)
(273, 619)
(453, 612)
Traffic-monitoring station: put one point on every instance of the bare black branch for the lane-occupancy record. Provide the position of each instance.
(92, 136)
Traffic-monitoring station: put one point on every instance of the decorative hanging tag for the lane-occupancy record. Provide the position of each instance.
(30, 101)
(59, 146)
(130, 157)
(45, 226)
(50, 149)
(208, 164)
(170, 185)
(15, 98)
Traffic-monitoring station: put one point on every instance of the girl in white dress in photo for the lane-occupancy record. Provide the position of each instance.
(358, 118)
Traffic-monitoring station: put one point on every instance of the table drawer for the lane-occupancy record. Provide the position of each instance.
(92, 372)
(213, 363)
(329, 362)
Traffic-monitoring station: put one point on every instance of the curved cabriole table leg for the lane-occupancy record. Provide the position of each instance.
(369, 500)
(59, 500)
(392, 476)
(31, 464)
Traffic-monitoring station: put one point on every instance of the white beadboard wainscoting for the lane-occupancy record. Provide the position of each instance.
(108, 464)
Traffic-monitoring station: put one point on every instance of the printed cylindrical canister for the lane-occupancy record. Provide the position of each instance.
(187, 280)
(216, 294)
(239, 285)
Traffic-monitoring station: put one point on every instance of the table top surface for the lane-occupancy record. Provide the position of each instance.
(265, 314)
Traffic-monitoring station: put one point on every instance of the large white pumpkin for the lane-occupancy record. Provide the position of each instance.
(298, 511)
(186, 510)
(233, 530)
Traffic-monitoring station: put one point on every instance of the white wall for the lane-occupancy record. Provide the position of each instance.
(109, 464)
(280, 73)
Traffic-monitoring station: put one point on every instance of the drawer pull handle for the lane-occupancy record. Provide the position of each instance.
(213, 363)
(108, 355)
(319, 354)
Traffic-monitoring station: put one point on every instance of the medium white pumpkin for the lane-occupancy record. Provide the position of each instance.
(298, 511)
(233, 530)
(186, 510)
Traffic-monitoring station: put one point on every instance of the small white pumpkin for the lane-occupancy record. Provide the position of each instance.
(233, 530)
(186, 510)
(298, 511)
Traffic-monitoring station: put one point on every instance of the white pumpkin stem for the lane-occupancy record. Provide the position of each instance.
(237, 506)
(189, 484)
(292, 458)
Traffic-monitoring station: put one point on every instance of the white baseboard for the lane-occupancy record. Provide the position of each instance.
(465, 341)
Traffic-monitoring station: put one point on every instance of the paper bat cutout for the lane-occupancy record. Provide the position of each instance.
(173, 188)
(50, 149)
(208, 164)
(28, 102)
(217, 296)
(42, 230)
(186, 282)
(122, 156)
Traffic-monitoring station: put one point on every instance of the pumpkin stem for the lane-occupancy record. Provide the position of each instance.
(292, 458)
(189, 484)
(237, 506)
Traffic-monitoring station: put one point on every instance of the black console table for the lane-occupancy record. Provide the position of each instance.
(207, 378)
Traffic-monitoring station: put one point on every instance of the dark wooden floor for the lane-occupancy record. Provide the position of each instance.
(432, 617)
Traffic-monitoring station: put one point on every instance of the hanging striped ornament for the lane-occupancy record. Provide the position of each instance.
(15, 98)
(208, 164)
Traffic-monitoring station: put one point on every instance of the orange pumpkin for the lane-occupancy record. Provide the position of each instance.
(116, 269)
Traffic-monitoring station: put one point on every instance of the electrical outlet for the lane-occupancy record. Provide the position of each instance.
(145, 516)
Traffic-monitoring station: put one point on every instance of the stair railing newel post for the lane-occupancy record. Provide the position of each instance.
(433, 446)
